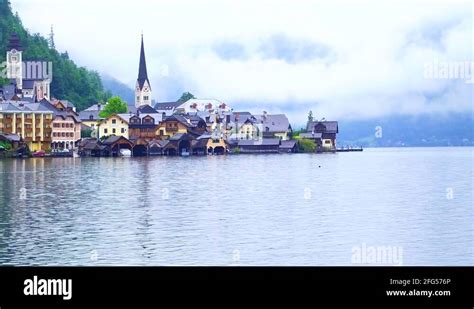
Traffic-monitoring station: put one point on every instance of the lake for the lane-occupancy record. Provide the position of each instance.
(287, 209)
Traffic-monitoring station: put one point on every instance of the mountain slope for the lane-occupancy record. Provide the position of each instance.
(455, 129)
(81, 86)
(117, 88)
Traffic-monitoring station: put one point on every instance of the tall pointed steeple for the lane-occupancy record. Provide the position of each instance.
(143, 87)
(142, 72)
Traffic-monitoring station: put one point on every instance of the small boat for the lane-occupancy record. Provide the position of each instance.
(39, 154)
(125, 153)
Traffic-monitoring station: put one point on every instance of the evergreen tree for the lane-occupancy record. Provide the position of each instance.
(310, 118)
(186, 96)
(51, 39)
(3, 75)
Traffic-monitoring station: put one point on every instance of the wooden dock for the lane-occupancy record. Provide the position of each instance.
(349, 149)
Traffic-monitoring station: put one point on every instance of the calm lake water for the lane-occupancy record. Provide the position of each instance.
(300, 209)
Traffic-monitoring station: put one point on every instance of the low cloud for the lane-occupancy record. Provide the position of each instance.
(341, 59)
(293, 50)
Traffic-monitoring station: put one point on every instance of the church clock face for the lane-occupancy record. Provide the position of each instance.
(13, 56)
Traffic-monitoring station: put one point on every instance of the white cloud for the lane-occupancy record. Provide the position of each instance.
(375, 62)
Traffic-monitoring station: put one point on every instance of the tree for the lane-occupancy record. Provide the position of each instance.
(86, 133)
(306, 145)
(51, 39)
(3, 75)
(115, 105)
(310, 117)
(186, 96)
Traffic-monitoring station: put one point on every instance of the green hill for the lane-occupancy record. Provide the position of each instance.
(81, 86)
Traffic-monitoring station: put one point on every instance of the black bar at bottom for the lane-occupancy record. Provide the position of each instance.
(450, 286)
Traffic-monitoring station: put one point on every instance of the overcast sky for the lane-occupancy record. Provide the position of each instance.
(342, 59)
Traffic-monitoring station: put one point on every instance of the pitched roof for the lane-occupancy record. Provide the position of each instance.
(91, 145)
(194, 105)
(166, 105)
(186, 120)
(182, 136)
(147, 109)
(241, 117)
(66, 103)
(18, 106)
(113, 139)
(274, 123)
(156, 116)
(330, 126)
(311, 135)
(85, 115)
(200, 143)
(288, 144)
(94, 107)
(65, 114)
(157, 143)
(259, 142)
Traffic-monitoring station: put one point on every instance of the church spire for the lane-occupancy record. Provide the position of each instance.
(143, 88)
(142, 72)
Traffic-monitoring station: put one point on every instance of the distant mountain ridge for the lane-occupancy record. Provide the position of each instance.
(117, 88)
(453, 129)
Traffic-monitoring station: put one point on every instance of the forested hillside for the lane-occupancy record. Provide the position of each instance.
(81, 86)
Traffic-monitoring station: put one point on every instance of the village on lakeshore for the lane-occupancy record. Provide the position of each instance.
(34, 123)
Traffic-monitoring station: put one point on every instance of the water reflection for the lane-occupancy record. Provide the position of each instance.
(267, 210)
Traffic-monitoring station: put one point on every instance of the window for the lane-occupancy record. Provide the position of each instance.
(122, 130)
(162, 132)
(138, 98)
(91, 117)
(105, 131)
(114, 121)
(145, 98)
(327, 142)
(113, 131)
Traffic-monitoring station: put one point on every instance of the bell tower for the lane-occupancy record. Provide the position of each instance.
(143, 87)
(15, 61)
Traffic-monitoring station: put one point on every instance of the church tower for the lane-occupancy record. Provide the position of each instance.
(15, 61)
(143, 87)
